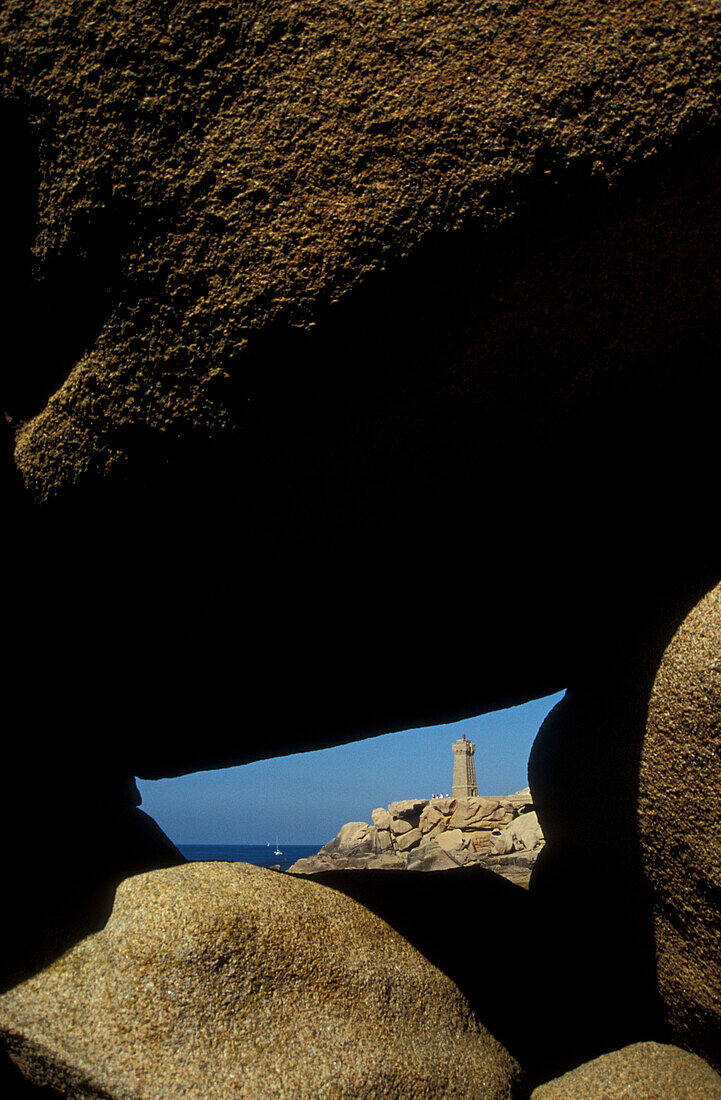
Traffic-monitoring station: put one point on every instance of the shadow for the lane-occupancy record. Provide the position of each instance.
(14, 1086)
(596, 977)
(394, 469)
(566, 971)
(54, 307)
(475, 927)
(406, 462)
(71, 841)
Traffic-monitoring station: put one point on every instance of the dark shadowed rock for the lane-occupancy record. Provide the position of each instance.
(591, 900)
(61, 887)
(455, 918)
(628, 865)
(408, 809)
(303, 288)
(214, 979)
(644, 1071)
(431, 857)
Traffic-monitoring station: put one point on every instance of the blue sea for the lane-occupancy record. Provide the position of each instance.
(259, 854)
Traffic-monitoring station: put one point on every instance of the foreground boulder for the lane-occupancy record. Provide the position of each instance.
(643, 1071)
(212, 980)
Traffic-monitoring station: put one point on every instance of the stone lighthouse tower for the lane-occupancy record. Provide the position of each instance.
(464, 770)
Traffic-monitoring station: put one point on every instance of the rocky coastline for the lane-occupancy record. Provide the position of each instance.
(501, 834)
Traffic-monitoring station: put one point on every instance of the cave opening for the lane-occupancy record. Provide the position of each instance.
(302, 800)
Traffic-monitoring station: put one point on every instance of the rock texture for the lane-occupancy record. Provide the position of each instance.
(218, 979)
(644, 1071)
(679, 813)
(318, 145)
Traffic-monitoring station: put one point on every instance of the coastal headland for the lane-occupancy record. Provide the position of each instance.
(439, 834)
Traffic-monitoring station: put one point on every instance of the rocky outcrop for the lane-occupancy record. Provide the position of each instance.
(217, 979)
(436, 834)
(644, 1071)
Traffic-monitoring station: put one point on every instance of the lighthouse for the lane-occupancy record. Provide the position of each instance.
(464, 769)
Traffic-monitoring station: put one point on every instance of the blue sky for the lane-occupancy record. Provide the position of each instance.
(305, 798)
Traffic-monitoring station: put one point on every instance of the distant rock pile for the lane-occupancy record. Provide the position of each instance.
(435, 835)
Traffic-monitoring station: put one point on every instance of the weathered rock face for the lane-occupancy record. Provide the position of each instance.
(381, 819)
(308, 284)
(645, 1071)
(430, 818)
(352, 834)
(679, 814)
(409, 840)
(476, 813)
(431, 857)
(226, 976)
(452, 840)
(444, 806)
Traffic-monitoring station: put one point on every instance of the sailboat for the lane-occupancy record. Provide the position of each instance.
(277, 851)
